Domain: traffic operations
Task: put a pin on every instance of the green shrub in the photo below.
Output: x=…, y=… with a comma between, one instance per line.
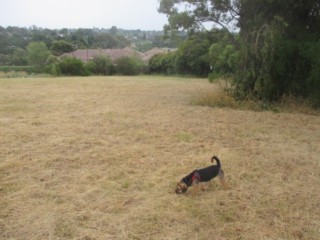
x=72, y=67
x=313, y=79
x=61, y=46
x=223, y=58
x=91, y=67
x=53, y=69
x=192, y=56
x=37, y=54
x=162, y=63
x=100, y=65
x=129, y=66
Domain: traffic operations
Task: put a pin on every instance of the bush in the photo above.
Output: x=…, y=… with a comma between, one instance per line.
x=53, y=69
x=61, y=46
x=313, y=77
x=129, y=66
x=192, y=56
x=100, y=65
x=72, y=67
x=37, y=54
x=19, y=57
x=4, y=59
x=223, y=58
x=91, y=67
x=162, y=63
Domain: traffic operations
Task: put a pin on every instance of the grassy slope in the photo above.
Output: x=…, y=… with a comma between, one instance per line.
x=98, y=158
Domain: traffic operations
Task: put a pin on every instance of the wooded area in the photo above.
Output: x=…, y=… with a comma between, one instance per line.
x=270, y=47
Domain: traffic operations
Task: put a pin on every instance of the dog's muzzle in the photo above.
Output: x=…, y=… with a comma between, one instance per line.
x=180, y=189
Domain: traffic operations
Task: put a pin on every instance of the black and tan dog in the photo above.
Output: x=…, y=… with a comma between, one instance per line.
x=201, y=175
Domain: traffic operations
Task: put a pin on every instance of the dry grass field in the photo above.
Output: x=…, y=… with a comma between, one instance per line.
x=99, y=158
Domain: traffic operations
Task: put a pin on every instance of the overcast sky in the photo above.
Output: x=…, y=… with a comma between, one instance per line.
x=126, y=14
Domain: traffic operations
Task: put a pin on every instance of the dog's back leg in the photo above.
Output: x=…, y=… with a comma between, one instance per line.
x=222, y=179
x=204, y=186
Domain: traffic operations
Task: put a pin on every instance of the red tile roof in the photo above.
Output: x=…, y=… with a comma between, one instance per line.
x=87, y=54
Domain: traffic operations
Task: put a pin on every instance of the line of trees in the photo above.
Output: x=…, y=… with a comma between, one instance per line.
x=271, y=48
x=202, y=54
x=14, y=41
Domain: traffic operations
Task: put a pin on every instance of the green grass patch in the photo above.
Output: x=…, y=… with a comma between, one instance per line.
x=28, y=69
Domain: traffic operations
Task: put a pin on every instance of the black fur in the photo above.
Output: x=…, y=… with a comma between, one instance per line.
x=203, y=174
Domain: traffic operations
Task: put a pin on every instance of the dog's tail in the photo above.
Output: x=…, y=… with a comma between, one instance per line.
x=217, y=160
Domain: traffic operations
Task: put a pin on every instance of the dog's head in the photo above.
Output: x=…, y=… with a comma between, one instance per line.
x=181, y=187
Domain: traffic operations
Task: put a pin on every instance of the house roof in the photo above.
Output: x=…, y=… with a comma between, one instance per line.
x=86, y=55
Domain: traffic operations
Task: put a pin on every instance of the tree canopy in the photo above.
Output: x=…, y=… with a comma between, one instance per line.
x=278, y=43
x=37, y=54
x=192, y=14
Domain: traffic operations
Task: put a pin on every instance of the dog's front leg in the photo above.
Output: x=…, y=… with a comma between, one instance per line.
x=204, y=186
x=196, y=187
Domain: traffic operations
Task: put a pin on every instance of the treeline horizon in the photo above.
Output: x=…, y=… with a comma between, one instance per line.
x=12, y=38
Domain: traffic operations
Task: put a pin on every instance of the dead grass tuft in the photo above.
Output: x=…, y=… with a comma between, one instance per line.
x=218, y=99
x=14, y=74
x=221, y=98
x=293, y=104
x=99, y=158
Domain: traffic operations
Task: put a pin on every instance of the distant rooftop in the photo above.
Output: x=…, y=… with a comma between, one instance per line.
x=86, y=55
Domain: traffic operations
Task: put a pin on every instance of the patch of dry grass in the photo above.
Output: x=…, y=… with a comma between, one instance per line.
x=14, y=74
x=223, y=99
x=217, y=98
x=98, y=158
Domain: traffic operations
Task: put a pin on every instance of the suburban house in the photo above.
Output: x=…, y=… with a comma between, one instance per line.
x=86, y=55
